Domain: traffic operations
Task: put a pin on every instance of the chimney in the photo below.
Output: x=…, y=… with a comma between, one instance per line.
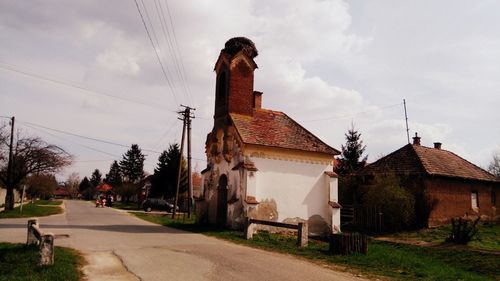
x=416, y=139
x=257, y=100
x=437, y=145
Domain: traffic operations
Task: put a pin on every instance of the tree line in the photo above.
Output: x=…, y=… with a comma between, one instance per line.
x=34, y=163
x=129, y=180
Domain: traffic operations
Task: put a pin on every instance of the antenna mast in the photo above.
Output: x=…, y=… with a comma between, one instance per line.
x=406, y=119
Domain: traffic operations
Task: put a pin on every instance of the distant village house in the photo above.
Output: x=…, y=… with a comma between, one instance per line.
x=457, y=186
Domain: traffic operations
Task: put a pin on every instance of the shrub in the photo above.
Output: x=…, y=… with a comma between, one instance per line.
x=395, y=201
x=462, y=230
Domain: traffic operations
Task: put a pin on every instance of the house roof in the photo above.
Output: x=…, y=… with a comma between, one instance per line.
x=416, y=159
x=104, y=187
x=275, y=129
x=61, y=191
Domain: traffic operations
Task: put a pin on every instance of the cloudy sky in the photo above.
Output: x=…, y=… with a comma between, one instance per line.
x=88, y=68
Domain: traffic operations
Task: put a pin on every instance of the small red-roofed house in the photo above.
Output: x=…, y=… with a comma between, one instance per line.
x=103, y=188
x=457, y=186
x=261, y=163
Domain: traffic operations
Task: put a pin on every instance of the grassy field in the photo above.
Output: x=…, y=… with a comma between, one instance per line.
x=396, y=261
x=487, y=238
x=18, y=262
x=38, y=209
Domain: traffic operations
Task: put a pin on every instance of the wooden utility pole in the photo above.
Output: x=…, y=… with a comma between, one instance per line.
x=180, y=165
x=186, y=116
x=9, y=198
x=190, y=181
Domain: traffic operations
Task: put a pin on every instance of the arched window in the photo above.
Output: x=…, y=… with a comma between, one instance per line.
x=222, y=88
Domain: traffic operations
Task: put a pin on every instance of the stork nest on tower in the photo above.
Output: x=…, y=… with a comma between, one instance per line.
x=237, y=44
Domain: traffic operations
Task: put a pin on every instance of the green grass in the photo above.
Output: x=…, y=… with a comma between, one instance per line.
x=19, y=262
x=49, y=202
x=396, y=261
x=131, y=206
x=487, y=238
x=31, y=210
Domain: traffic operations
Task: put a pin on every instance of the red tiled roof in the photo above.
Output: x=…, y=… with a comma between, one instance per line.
x=103, y=187
x=276, y=129
x=61, y=191
x=417, y=159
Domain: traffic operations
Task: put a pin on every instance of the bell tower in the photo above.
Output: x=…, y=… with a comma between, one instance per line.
x=234, y=83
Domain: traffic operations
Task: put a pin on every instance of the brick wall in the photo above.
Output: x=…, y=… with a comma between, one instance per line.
x=241, y=89
x=454, y=198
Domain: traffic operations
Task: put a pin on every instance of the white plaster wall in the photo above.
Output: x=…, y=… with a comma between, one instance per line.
x=299, y=188
x=3, y=193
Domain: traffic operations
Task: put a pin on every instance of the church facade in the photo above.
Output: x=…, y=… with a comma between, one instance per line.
x=261, y=163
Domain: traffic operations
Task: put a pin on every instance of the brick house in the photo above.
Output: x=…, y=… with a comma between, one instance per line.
x=261, y=163
x=457, y=186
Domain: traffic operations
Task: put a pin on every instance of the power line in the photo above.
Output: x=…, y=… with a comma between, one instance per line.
x=85, y=137
x=178, y=49
x=17, y=69
x=156, y=51
x=175, y=52
x=77, y=143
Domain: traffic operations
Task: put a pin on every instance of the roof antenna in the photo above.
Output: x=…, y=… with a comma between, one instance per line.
x=406, y=119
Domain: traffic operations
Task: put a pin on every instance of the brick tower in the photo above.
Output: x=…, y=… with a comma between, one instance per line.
x=234, y=87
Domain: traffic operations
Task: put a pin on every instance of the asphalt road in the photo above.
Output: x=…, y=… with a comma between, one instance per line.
x=119, y=246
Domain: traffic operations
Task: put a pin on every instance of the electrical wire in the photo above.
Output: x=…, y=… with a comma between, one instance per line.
x=17, y=69
x=178, y=49
x=175, y=53
x=156, y=52
x=85, y=137
x=77, y=143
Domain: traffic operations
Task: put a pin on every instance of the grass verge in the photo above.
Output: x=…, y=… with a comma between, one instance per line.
x=49, y=202
x=19, y=262
x=397, y=261
x=487, y=238
x=131, y=206
x=32, y=210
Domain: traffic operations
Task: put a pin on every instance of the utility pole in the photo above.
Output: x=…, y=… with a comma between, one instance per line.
x=406, y=119
x=180, y=165
x=9, y=198
x=186, y=117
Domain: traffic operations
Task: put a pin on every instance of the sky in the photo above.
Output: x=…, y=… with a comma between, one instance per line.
x=88, y=68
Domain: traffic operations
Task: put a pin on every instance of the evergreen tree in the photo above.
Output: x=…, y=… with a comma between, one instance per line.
x=114, y=177
x=350, y=161
x=164, y=180
x=351, y=158
x=132, y=165
x=86, y=189
x=95, y=179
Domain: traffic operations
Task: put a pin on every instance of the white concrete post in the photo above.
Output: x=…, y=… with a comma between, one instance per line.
x=31, y=232
x=46, y=249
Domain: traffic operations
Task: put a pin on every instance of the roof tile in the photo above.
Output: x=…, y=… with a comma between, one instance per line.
x=417, y=159
x=276, y=129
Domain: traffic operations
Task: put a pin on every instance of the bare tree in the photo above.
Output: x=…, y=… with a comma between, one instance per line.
x=494, y=166
x=72, y=184
x=31, y=155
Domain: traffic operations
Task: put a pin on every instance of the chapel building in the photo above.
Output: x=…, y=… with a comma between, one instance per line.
x=261, y=163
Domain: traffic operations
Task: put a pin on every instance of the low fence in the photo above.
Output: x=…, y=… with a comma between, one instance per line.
x=301, y=227
x=362, y=217
x=45, y=240
x=348, y=243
